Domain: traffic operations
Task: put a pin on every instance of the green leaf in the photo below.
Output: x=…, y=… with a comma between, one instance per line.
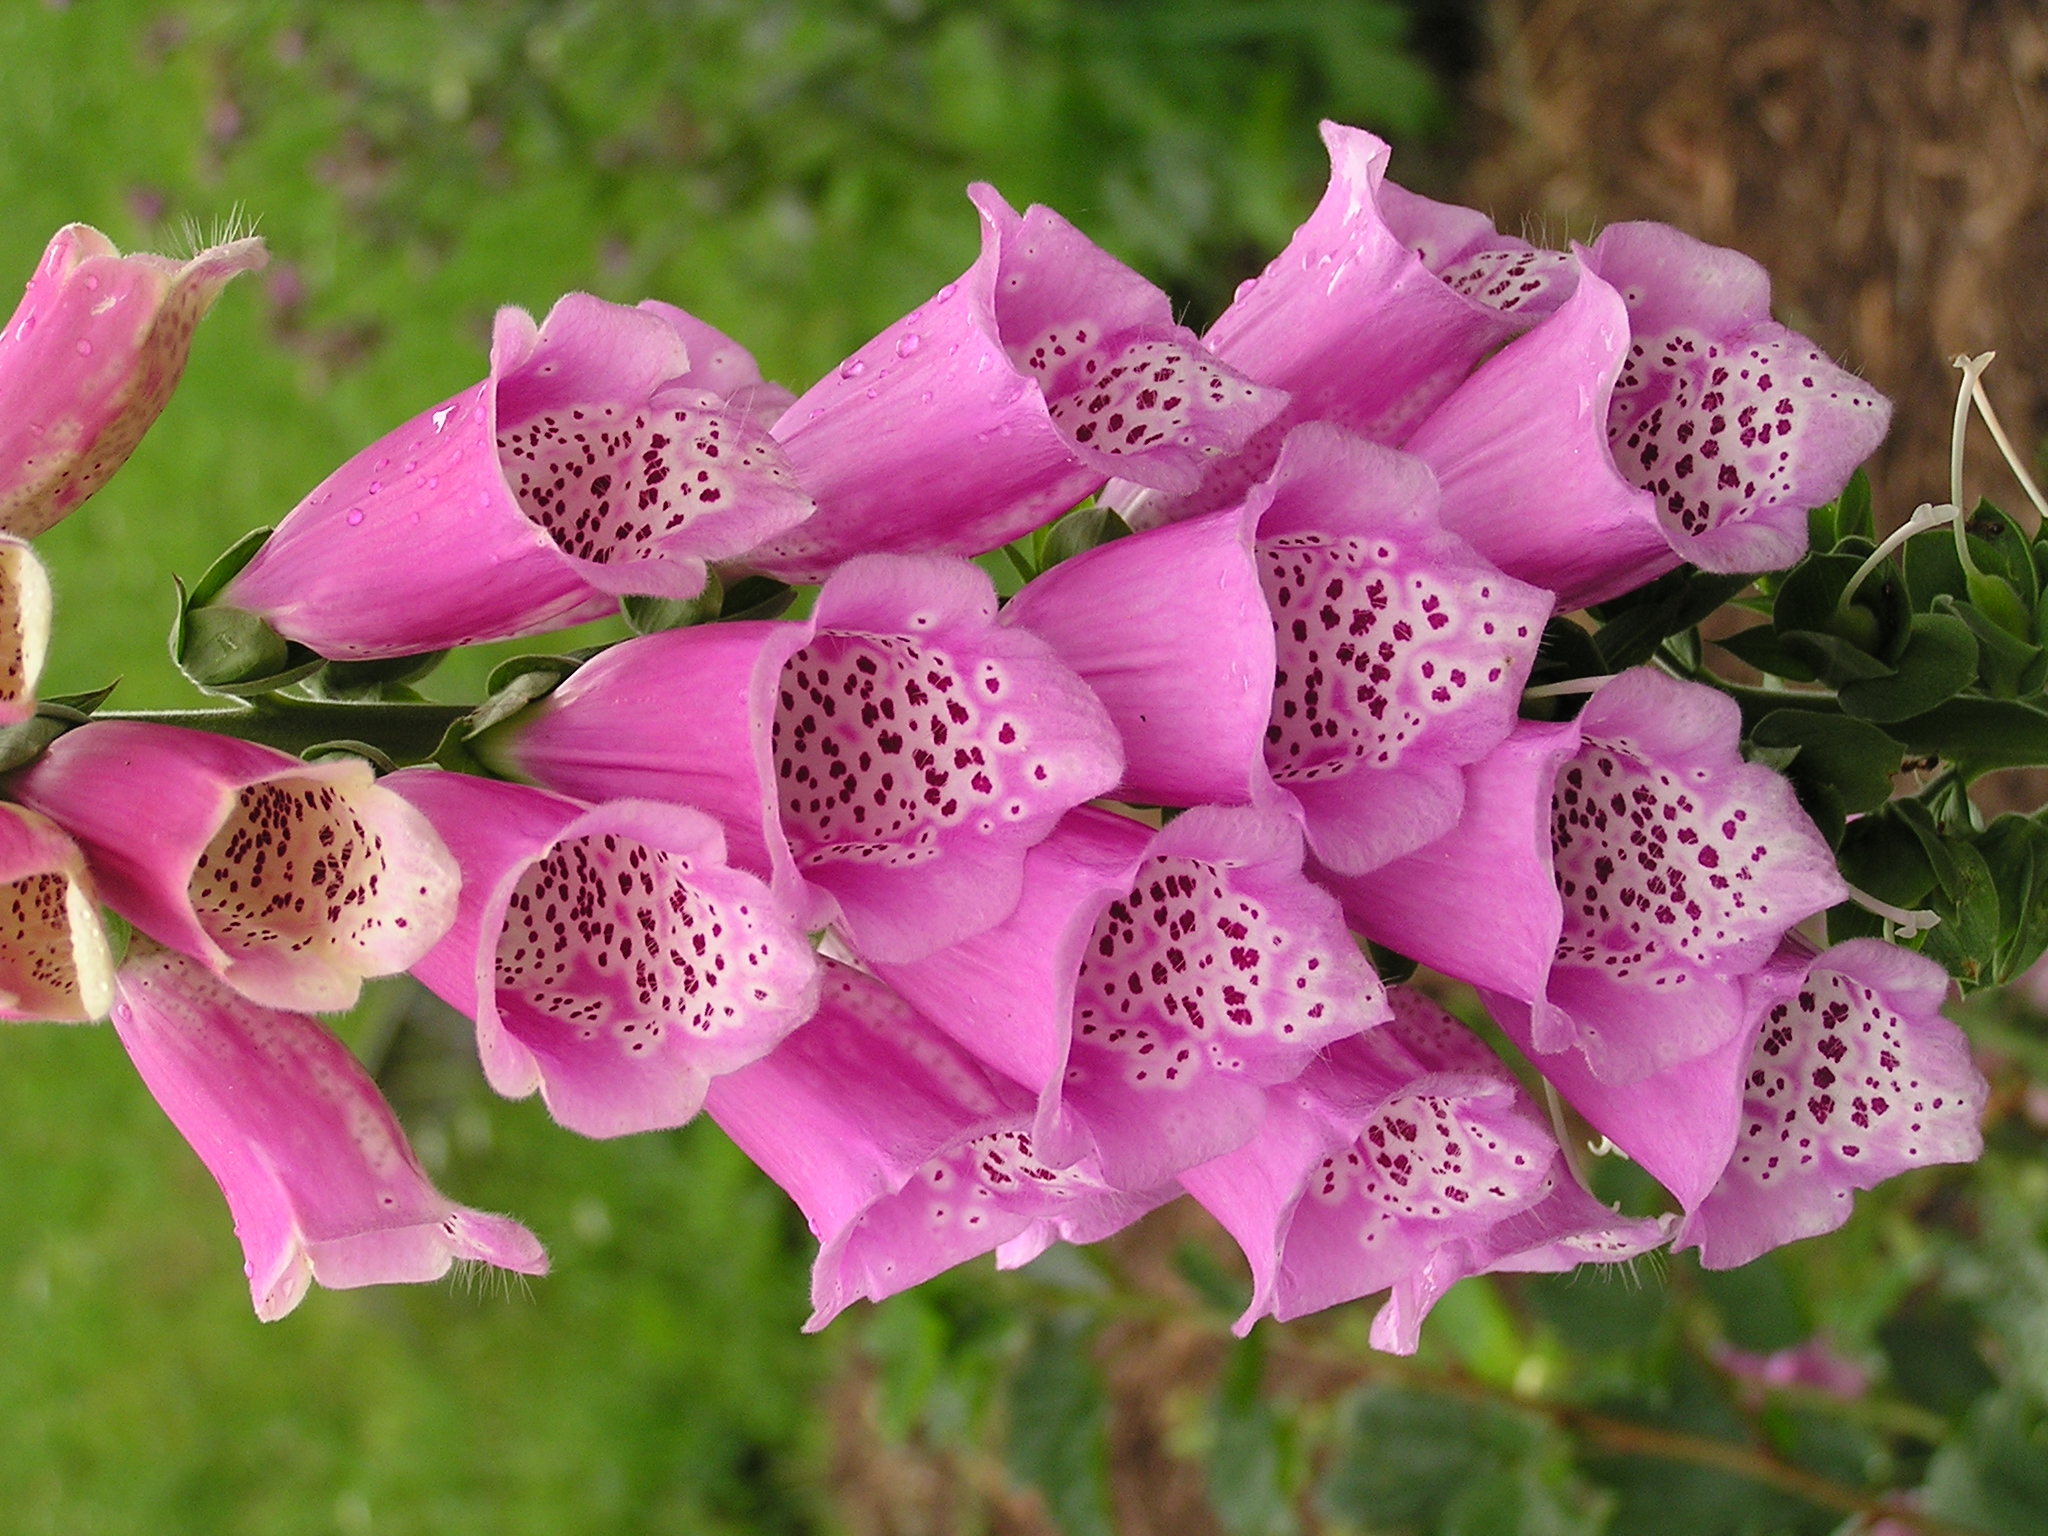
x=1853, y=515
x=2015, y=848
x=1059, y=1412
x=2007, y=666
x=1080, y=530
x=1851, y=756
x=1196, y=1263
x=757, y=597
x=1415, y=1462
x=1810, y=594
x=1251, y=1464
x=1831, y=658
x=1978, y=736
x=1966, y=941
x=1633, y=627
x=1760, y=647
x=1885, y=856
x=1940, y=660
x=1993, y=1475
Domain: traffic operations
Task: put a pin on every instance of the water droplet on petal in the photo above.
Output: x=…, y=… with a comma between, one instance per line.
x=84, y=348
x=355, y=516
x=853, y=369
x=946, y=292
x=907, y=345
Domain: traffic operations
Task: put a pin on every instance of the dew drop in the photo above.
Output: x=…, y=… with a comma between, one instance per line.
x=907, y=345
x=853, y=370
x=355, y=516
x=946, y=293
x=84, y=348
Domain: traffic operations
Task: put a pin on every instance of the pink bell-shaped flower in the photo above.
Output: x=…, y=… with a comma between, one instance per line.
x=317, y=1173
x=292, y=881
x=89, y=361
x=609, y=956
x=54, y=961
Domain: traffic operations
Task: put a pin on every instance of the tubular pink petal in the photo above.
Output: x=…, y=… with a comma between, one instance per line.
x=920, y=749
x=24, y=628
x=1735, y=424
x=1349, y=320
x=1401, y=655
x=1397, y=1152
x=1854, y=1077
x=723, y=366
x=1521, y=449
x=608, y=955
x=316, y=1170
x=89, y=360
x=904, y=1153
x=682, y=716
x=55, y=965
x=1678, y=1123
x=1011, y=395
x=1493, y=870
x=1461, y=246
x=292, y=881
x=1149, y=984
x=1170, y=630
x=582, y=468
x=1680, y=867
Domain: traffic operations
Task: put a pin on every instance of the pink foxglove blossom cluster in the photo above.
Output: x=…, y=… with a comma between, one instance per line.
x=982, y=923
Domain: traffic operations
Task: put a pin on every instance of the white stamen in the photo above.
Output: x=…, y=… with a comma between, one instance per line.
x=1605, y=1148
x=1568, y=688
x=1925, y=516
x=1909, y=923
x=2005, y=447
x=1566, y=1141
x=1971, y=368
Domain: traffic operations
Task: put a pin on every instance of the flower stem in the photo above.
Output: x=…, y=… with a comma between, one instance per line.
x=406, y=733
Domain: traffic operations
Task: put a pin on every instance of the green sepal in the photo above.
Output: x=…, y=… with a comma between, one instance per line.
x=2015, y=848
x=1632, y=627
x=120, y=934
x=652, y=615
x=1810, y=593
x=85, y=703
x=1079, y=531
x=1939, y=661
x=376, y=757
x=1853, y=757
x=384, y=679
x=2001, y=604
x=1833, y=659
x=558, y=665
x=223, y=650
x=512, y=686
x=757, y=597
x=26, y=740
x=1760, y=647
x=2007, y=667
x=1394, y=968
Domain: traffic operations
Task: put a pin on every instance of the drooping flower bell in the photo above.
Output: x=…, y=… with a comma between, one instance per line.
x=1403, y=1159
x=1353, y=323
x=905, y=1154
x=1733, y=422
x=292, y=881
x=1853, y=1077
x=24, y=628
x=1616, y=879
x=1151, y=984
x=1326, y=647
x=609, y=956
x=55, y=965
x=898, y=753
x=317, y=1173
x=89, y=360
x=590, y=464
x=1047, y=368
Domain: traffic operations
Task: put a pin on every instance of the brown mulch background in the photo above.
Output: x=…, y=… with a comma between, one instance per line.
x=1888, y=163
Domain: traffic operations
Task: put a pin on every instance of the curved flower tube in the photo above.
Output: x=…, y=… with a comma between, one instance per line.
x=89, y=360
x=1852, y=1076
x=291, y=881
x=24, y=628
x=905, y=1154
x=608, y=955
x=589, y=465
x=898, y=753
x=55, y=965
x=1734, y=423
x=1151, y=984
x=317, y=1173
x=1369, y=318
x=1396, y=655
x=1048, y=367
x=1406, y=1157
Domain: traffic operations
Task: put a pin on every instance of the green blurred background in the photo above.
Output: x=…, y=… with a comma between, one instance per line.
x=793, y=172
